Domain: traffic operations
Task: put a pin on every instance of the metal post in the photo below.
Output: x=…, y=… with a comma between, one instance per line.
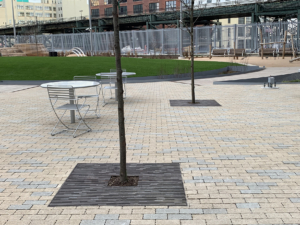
x=298, y=29
x=13, y=14
x=133, y=42
x=107, y=45
x=72, y=39
x=215, y=32
x=235, y=30
x=162, y=41
x=52, y=42
x=90, y=22
x=83, y=45
x=147, y=41
x=180, y=32
x=62, y=43
x=5, y=41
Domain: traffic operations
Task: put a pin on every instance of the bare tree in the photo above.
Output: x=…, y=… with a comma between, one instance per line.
x=123, y=170
x=189, y=12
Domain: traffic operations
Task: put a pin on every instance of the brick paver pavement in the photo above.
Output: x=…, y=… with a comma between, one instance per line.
x=240, y=162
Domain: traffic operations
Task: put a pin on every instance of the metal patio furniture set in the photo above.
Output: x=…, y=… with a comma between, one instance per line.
x=62, y=96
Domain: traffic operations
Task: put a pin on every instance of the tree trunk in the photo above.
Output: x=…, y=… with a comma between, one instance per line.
x=192, y=52
x=121, y=120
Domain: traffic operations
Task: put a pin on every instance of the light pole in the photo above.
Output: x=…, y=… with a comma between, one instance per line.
x=81, y=13
x=13, y=14
x=90, y=24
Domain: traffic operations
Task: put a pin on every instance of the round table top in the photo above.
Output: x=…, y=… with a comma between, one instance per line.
x=73, y=83
x=107, y=74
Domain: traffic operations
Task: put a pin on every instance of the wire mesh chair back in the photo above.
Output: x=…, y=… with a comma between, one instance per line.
x=66, y=93
x=85, y=78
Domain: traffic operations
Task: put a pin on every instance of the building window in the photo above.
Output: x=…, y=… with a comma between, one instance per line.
x=95, y=2
x=138, y=9
x=171, y=6
x=95, y=12
x=241, y=20
x=20, y=7
x=229, y=32
x=48, y=15
x=29, y=14
x=123, y=10
x=107, y=2
x=21, y=14
x=108, y=11
x=29, y=7
x=39, y=14
x=229, y=20
x=40, y=8
x=47, y=8
x=185, y=4
x=153, y=7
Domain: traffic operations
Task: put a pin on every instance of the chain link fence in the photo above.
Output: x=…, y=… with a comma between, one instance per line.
x=167, y=41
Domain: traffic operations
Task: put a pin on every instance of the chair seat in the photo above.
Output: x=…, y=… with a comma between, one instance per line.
x=72, y=106
x=88, y=96
x=110, y=88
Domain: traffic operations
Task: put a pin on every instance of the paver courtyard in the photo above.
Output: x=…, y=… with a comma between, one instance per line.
x=240, y=162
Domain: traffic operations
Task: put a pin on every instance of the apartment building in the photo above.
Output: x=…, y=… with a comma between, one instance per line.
x=26, y=11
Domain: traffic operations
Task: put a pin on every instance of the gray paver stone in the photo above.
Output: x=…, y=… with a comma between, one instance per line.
x=117, y=222
x=107, y=217
x=92, y=222
x=295, y=200
x=179, y=216
x=39, y=202
x=41, y=193
x=214, y=211
x=191, y=211
x=20, y=207
x=247, y=205
x=155, y=216
x=167, y=210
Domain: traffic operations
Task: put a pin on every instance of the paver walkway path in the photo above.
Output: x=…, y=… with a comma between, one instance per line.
x=240, y=163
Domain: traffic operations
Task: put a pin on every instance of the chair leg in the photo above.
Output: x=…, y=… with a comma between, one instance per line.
x=103, y=95
x=59, y=121
x=82, y=120
x=97, y=108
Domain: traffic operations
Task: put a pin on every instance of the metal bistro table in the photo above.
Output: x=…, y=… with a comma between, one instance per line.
x=114, y=75
x=75, y=85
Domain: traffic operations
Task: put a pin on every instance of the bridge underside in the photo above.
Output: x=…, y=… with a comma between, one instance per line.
x=284, y=10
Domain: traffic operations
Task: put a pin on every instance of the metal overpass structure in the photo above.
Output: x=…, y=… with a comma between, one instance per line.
x=284, y=10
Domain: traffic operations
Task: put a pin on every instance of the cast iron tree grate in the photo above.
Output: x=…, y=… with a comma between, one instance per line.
x=199, y=103
x=159, y=185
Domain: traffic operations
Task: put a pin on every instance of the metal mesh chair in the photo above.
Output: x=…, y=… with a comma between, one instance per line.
x=95, y=95
x=109, y=83
x=66, y=93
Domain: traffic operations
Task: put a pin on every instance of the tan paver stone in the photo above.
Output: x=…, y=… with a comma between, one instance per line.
x=223, y=221
x=68, y=222
x=131, y=217
x=144, y=222
x=45, y=222
x=17, y=222
x=169, y=222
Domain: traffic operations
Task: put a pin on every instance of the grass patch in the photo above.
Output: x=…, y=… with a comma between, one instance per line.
x=291, y=81
x=64, y=68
